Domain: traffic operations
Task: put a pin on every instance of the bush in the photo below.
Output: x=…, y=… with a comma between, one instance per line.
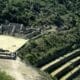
x=4, y=76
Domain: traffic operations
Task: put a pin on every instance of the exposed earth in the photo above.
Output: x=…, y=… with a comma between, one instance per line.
x=19, y=70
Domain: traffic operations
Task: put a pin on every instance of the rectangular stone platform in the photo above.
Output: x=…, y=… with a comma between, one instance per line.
x=12, y=44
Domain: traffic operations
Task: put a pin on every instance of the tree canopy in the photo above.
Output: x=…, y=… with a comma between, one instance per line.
x=39, y=12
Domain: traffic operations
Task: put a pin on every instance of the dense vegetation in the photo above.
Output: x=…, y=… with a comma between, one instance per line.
x=41, y=12
x=62, y=13
x=48, y=45
x=4, y=76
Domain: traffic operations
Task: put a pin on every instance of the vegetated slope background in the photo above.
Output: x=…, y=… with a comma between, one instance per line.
x=65, y=14
x=39, y=12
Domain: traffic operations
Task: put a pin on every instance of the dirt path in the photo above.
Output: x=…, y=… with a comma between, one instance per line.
x=15, y=72
x=19, y=70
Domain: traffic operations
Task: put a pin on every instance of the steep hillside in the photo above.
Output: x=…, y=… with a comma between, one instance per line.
x=53, y=48
x=50, y=45
x=40, y=50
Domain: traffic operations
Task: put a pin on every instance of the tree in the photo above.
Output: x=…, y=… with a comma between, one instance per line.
x=58, y=21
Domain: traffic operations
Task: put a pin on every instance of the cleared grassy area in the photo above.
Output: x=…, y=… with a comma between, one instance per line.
x=11, y=43
x=70, y=73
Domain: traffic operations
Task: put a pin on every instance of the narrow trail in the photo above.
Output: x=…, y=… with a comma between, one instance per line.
x=15, y=72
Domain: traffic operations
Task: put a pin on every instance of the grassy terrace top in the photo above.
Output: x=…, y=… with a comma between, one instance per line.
x=11, y=43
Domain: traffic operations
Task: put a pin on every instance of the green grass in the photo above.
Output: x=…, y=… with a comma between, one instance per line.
x=4, y=76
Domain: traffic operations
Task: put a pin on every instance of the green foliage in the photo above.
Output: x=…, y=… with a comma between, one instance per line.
x=47, y=45
x=40, y=12
x=4, y=76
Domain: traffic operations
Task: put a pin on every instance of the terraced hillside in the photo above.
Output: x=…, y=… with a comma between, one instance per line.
x=64, y=64
x=54, y=49
x=64, y=67
x=57, y=53
x=27, y=32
